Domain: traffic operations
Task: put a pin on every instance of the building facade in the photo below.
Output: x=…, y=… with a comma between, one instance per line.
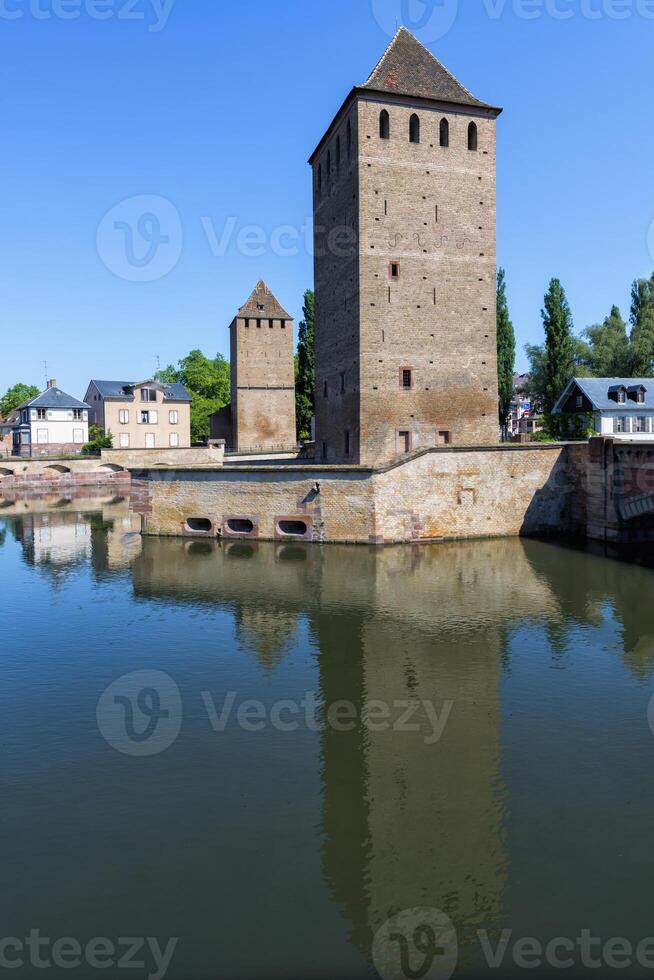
x=405, y=264
x=52, y=424
x=261, y=416
x=620, y=407
x=143, y=415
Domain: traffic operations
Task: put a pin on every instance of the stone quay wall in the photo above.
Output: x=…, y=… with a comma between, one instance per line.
x=432, y=495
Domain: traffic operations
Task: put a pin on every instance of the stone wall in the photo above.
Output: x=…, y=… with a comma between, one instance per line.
x=212, y=455
x=61, y=475
x=437, y=494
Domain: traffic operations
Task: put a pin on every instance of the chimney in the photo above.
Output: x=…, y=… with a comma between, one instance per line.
x=52, y=383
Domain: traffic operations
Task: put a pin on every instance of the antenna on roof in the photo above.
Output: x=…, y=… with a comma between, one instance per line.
x=45, y=368
x=158, y=362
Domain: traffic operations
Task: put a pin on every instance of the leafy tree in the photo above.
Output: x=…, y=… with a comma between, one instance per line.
x=18, y=395
x=305, y=368
x=208, y=382
x=560, y=347
x=605, y=349
x=97, y=441
x=505, y=351
x=642, y=328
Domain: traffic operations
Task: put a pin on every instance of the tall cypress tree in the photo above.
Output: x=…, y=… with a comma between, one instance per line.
x=505, y=352
x=559, y=345
x=305, y=369
x=642, y=328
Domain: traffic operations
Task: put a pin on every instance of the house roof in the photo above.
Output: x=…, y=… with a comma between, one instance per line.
x=408, y=68
x=54, y=398
x=262, y=304
x=597, y=391
x=124, y=390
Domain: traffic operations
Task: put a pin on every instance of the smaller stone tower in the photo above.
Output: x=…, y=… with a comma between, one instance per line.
x=263, y=377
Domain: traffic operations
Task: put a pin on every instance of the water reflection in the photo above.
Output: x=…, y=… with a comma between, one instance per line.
x=404, y=821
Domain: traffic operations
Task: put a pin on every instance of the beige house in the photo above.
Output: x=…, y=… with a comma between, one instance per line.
x=143, y=415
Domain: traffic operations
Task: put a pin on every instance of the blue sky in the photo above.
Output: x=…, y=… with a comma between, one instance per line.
x=215, y=106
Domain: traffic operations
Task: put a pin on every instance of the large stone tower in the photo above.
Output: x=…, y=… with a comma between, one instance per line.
x=262, y=411
x=405, y=264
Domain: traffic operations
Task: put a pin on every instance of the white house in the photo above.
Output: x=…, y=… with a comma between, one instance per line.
x=620, y=407
x=52, y=424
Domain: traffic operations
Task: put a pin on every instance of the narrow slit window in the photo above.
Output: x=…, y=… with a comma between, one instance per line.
x=384, y=125
x=394, y=270
x=414, y=129
x=445, y=133
x=473, y=137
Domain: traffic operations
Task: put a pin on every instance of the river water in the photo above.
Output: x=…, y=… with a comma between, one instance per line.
x=284, y=761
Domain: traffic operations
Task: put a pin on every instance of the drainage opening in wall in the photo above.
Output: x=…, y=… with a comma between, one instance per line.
x=292, y=529
x=240, y=525
x=199, y=525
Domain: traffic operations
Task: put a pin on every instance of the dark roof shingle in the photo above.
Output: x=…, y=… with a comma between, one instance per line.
x=262, y=304
x=54, y=398
x=408, y=68
x=123, y=390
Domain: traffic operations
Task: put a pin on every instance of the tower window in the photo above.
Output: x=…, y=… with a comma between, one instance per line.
x=384, y=125
x=406, y=379
x=347, y=442
x=325, y=390
x=414, y=129
x=342, y=382
x=473, y=137
x=445, y=133
x=394, y=270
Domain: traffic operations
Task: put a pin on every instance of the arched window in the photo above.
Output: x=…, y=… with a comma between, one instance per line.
x=445, y=133
x=338, y=153
x=329, y=163
x=473, y=138
x=384, y=125
x=349, y=139
x=414, y=129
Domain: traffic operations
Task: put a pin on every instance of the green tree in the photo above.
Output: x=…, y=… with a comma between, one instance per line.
x=18, y=395
x=208, y=382
x=560, y=345
x=642, y=328
x=505, y=352
x=305, y=368
x=97, y=441
x=605, y=347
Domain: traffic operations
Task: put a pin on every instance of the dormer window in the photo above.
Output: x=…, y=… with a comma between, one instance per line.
x=637, y=394
x=148, y=395
x=618, y=393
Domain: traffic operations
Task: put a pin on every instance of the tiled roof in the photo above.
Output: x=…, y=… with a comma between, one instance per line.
x=263, y=305
x=54, y=398
x=597, y=391
x=408, y=68
x=123, y=391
